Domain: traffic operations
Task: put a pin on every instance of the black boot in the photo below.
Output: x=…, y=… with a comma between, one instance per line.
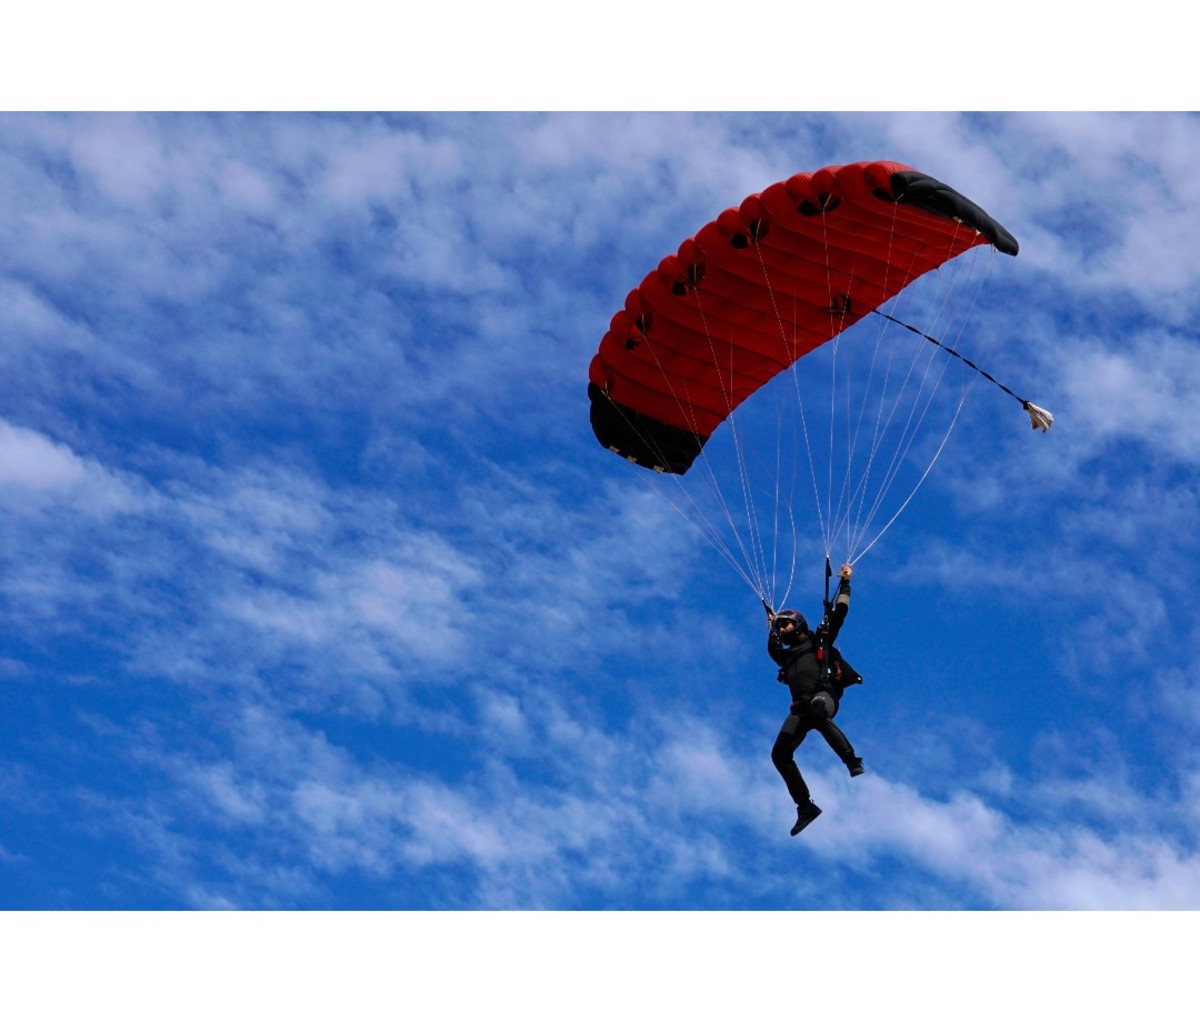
x=855, y=767
x=805, y=814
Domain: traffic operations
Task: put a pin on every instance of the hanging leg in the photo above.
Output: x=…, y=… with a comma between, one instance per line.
x=840, y=744
x=791, y=734
x=822, y=710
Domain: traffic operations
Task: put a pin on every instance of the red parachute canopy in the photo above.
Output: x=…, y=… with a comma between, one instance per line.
x=760, y=287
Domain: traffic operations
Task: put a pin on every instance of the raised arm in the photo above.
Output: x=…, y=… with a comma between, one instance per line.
x=841, y=603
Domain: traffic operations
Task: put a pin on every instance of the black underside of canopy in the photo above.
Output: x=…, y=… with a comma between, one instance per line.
x=641, y=439
x=924, y=192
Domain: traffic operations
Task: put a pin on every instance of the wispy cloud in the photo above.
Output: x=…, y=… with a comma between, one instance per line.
x=321, y=590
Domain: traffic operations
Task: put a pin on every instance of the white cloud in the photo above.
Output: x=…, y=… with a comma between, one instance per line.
x=122, y=155
x=250, y=345
x=386, y=615
x=1109, y=198
x=38, y=474
x=1145, y=390
x=31, y=461
x=371, y=163
x=29, y=318
x=513, y=838
x=971, y=846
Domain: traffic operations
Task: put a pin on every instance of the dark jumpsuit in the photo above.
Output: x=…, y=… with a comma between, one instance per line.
x=814, y=701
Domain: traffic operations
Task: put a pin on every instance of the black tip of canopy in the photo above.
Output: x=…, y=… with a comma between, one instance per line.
x=924, y=192
x=641, y=439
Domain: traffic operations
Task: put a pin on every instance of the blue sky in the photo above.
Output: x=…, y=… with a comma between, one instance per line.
x=319, y=594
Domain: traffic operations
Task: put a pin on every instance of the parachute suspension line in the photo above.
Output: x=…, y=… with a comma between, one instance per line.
x=902, y=452
x=777, y=477
x=937, y=453
x=793, y=465
x=755, y=556
x=782, y=502
x=850, y=515
x=1038, y=417
x=834, y=510
x=840, y=307
x=841, y=515
x=858, y=496
x=778, y=473
x=795, y=550
x=706, y=529
x=833, y=367
x=858, y=503
x=763, y=566
x=751, y=567
x=865, y=513
x=853, y=521
x=924, y=392
x=697, y=519
x=908, y=434
x=845, y=506
x=829, y=535
x=791, y=361
x=851, y=503
x=785, y=503
x=928, y=468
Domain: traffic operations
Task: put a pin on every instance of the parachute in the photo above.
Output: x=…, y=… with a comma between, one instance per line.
x=742, y=302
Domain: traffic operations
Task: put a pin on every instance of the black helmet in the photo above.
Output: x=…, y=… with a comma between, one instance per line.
x=794, y=616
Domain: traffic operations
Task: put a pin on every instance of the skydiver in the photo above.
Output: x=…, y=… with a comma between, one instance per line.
x=816, y=676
